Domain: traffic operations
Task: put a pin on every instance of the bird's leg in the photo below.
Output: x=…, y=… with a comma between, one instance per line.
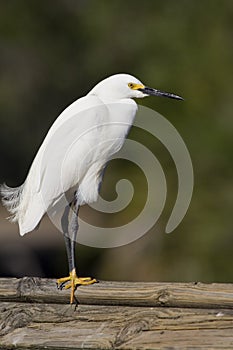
x=70, y=240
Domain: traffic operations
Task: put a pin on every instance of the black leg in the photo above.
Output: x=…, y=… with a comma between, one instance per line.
x=69, y=224
x=70, y=238
x=70, y=250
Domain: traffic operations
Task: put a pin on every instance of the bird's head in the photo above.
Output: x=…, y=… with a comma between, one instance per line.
x=120, y=86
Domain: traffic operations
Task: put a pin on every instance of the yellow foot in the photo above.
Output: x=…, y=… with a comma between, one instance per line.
x=74, y=281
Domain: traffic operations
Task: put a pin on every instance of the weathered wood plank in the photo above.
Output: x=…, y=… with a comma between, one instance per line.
x=56, y=326
x=28, y=289
x=115, y=315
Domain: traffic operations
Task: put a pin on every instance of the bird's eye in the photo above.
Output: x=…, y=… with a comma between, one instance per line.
x=131, y=85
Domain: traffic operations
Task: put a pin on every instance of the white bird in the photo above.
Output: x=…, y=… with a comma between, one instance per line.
x=68, y=168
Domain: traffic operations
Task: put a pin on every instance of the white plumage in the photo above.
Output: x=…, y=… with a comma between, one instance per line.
x=68, y=168
x=75, y=151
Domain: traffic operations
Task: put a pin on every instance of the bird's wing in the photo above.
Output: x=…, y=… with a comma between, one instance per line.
x=63, y=157
x=64, y=152
x=72, y=155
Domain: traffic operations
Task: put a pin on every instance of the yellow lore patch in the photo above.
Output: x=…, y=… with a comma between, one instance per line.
x=135, y=86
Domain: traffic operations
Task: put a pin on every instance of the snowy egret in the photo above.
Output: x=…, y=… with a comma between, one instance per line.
x=106, y=113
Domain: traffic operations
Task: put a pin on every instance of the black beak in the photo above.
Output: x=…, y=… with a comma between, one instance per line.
x=154, y=92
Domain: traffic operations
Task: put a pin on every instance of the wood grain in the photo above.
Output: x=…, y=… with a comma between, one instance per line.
x=201, y=295
x=115, y=315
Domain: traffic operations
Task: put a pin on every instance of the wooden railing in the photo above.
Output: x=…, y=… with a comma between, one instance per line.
x=34, y=314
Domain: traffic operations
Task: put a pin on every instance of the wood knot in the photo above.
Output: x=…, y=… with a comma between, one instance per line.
x=14, y=317
x=130, y=331
x=163, y=297
x=27, y=285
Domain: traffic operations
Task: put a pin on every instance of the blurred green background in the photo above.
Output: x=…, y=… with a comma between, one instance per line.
x=53, y=52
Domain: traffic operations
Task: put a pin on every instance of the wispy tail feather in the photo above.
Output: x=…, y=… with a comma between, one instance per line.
x=11, y=199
